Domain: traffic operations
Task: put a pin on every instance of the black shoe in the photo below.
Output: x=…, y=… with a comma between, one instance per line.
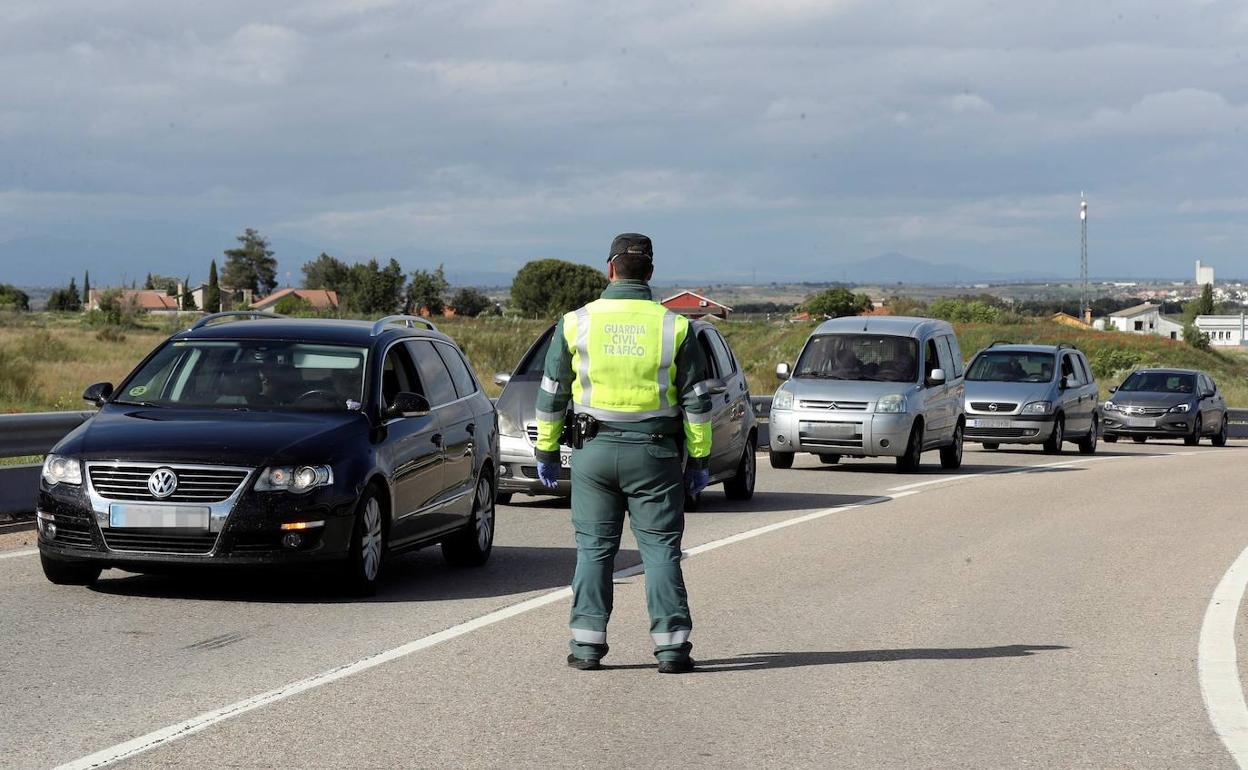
x=581, y=664
x=676, y=666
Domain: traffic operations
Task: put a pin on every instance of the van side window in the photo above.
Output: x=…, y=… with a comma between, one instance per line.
x=931, y=359
x=712, y=366
x=946, y=357
x=723, y=359
x=959, y=366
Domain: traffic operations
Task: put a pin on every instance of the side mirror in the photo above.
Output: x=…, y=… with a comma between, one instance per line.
x=98, y=393
x=937, y=377
x=1207, y=394
x=1113, y=388
x=501, y=378
x=711, y=387
x=408, y=405
x=783, y=372
x=1063, y=383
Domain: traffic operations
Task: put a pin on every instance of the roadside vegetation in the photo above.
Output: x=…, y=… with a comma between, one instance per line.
x=47, y=359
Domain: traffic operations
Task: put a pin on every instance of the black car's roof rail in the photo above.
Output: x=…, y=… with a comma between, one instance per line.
x=994, y=343
x=212, y=317
x=1066, y=345
x=409, y=321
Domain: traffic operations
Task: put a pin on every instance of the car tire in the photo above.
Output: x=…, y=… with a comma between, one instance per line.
x=367, y=549
x=1139, y=439
x=1223, y=433
x=1053, y=444
x=913, y=458
x=503, y=498
x=471, y=546
x=781, y=460
x=951, y=456
x=741, y=485
x=829, y=459
x=991, y=445
x=1198, y=429
x=1087, y=444
x=65, y=572
x=1109, y=438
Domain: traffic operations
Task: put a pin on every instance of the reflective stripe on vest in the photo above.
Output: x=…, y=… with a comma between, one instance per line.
x=624, y=356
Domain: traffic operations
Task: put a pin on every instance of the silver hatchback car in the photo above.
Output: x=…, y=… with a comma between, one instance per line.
x=1032, y=394
x=870, y=387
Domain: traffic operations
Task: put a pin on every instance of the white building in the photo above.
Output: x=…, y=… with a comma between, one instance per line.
x=1145, y=319
x=1223, y=330
x=1204, y=274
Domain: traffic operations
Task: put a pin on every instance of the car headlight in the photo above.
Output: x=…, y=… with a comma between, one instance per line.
x=1110, y=406
x=58, y=469
x=296, y=479
x=1181, y=408
x=894, y=403
x=1038, y=407
x=782, y=400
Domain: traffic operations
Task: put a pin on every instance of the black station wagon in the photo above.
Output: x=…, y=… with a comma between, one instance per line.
x=277, y=441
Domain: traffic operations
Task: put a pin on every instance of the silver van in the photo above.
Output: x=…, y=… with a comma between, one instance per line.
x=870, y=387
x=1032, y=394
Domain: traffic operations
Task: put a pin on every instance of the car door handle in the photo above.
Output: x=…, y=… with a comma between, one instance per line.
x=437, y=440
x=472, y=428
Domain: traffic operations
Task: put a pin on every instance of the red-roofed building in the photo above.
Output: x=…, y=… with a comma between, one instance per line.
x=150, y=300
x=694, y=305
x=318, y=299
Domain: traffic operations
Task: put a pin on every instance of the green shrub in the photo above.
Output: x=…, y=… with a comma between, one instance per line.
x=293, y=304
x=111, y=334
x=40, y=345
x=16, y=377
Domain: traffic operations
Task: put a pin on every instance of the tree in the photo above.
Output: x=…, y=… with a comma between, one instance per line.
x=1193, y=336
x=13, y=298
x=65, y=300
x=1204, y=304
x=427, y=291
x=212, y=292
x=470, y=302
x=326, y=272
x=188, y=299
x=293, y=304
x=86, y=287
x=548, y=288
x=964, y=310
x=147, y=284
x=374, y=290
x=906, y=306
x=250, y=265
x=838, y=302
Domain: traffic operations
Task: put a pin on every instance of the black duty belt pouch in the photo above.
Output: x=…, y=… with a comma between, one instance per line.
x=577, y=430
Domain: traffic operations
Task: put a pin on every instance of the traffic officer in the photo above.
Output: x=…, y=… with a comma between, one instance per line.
x=629, y=367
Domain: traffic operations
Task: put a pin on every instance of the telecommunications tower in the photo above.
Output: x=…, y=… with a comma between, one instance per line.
x=1085, y=300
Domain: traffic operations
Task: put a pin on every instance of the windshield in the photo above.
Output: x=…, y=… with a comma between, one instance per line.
x=1003, y=366
x=249, y=374
x=1159, y=382
x=871, y=357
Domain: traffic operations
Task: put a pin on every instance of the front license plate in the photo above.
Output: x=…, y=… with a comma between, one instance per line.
x=158, y=516
x=565, y=459
x=980, y=423
x=1141, y=422
x=830, y=429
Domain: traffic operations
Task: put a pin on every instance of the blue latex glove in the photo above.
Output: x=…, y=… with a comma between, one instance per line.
x=548, y=473
x=696, y=480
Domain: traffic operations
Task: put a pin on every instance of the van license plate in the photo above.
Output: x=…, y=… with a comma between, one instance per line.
x=158, y=516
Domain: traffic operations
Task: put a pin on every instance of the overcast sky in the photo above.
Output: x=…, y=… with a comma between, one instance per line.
x=785, y=137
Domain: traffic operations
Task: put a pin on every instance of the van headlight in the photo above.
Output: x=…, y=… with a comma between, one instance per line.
x=894, y=403
x=59, y=469
x=1038, y=407
x=782, y=400
x=297, y=479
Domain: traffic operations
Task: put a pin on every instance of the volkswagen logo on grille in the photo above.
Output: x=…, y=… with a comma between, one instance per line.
x=162, y=482
x=992, y=407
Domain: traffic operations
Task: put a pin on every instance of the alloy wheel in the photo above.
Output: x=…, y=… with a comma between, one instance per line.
x=370, y=539
x=485, y=514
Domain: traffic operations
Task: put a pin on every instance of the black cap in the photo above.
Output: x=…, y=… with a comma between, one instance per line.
x=631, y=243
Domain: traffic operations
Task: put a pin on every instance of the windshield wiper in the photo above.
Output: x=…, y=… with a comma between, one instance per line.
x=137, y=403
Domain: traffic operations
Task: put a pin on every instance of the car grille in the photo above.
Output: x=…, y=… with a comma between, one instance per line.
x=1001, y=432
x=160, y=541
x=993, y=406
x=73, y=533
x=839, y=406
x=196, y=484
x=1143, y=411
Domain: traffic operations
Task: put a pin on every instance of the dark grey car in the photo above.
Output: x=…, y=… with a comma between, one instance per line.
x=1032, y=394
x=1166, y=403
x=734, y=429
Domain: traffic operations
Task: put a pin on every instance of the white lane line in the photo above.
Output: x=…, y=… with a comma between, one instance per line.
x=1216, y=664
x=15, y=554
x=165, y=735
x=1021, y=469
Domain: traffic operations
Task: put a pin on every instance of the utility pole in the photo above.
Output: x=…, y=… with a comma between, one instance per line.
x=1085, y=299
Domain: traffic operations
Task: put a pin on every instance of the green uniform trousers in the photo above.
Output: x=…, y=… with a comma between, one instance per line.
x=615, y=471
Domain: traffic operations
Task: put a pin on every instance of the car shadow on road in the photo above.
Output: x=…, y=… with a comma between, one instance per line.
x=1020, y=452
x=771, y=502
x=927, y=470
x=759, y=661
x=417, y=577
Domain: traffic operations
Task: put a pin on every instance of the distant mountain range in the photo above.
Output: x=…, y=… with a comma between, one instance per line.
x=894, y=267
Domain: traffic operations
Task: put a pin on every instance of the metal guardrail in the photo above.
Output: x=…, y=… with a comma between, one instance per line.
x=35, y=434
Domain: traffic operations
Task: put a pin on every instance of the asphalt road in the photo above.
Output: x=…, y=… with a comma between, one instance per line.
x=1027, y=611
